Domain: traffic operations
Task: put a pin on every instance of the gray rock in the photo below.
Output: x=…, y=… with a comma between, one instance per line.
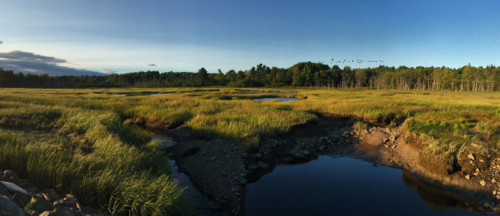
x=486, y=205
x=9, y=207
x=306, y=152
x=21, y=199
x=13, y=188
x=4, y=191
x=10, y=175
x=40, y=205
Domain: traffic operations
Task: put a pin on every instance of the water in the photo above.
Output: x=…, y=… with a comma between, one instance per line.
x=279, y=98
x=120, y=95
x=345, y=186
x=269, y=92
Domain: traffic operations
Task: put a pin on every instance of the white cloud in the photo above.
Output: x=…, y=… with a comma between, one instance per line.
x=151, y=65
x=27, y=62
x=108, y=71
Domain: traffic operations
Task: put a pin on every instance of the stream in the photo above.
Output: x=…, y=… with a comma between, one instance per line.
x=335, y=185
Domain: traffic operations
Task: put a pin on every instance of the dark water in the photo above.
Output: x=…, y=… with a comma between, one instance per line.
x=269, y=92
x=345, y=186
x=279, y=98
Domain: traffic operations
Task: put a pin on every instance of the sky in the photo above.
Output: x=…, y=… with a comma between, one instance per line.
x=70, y=37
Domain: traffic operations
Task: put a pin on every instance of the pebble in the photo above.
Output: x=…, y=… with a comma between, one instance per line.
x=471, y=156
x=482, y=182
x=467, y=177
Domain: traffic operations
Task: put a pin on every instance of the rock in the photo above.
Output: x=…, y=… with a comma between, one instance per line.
x=50, y=195
x=40, y=205
x=486, y=205
x=67, y=202
x=481, y=160
x=244, y=154
x=213, y=158
x=498, y=196
x=482, y=182
x=494, y=192
x=55, y=212
x=191, y=151
x=467, y=177
x=13, y=188
x=471, y=156
x=493, y=181
x=10, y=175
x=4, y=191
x=9, y=208
x=21, y=199
x=258, y=155
x=306, y=152
x=243, y=181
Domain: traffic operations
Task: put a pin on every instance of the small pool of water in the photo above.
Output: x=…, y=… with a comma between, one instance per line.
x=120, y=95
x=345, y=186
x=278, y=98
x=269, y=92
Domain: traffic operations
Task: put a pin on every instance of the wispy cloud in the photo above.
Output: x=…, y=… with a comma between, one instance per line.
x=28, y=62
x=151, y=65
x=108, y=71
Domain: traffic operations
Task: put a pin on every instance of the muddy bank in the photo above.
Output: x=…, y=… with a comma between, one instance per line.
x=221, y=169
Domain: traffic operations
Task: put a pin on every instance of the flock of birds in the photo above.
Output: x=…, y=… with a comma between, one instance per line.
x=357, y=61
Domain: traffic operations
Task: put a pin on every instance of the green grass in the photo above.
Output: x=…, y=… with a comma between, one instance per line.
x=82, y=129
x=91, y=154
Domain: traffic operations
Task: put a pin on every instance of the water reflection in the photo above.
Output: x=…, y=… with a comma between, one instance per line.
x=346, y=186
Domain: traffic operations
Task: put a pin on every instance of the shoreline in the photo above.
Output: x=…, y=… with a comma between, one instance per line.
x=221, y=169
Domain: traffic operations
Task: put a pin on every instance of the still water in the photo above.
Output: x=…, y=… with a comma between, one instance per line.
x=346, y=186
x=279, y=98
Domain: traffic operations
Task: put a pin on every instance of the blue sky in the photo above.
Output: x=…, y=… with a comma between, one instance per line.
x=125, y=36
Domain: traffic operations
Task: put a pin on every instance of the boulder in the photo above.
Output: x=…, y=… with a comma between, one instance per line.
x=10, y=208
x=4, y=191
x=10, y=175
x=40, y=205
x=21, y=199
x=13, y=188
x=50, y=195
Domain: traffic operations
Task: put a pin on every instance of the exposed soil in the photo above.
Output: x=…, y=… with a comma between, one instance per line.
x=221, y=169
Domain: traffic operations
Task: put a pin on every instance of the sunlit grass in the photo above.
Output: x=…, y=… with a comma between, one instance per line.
x=82, y=129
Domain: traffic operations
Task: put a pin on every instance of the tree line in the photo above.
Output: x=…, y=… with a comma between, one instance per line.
x=309, y=74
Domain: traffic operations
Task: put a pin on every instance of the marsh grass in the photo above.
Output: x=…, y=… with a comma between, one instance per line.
x=91, y=154
x=102, y=152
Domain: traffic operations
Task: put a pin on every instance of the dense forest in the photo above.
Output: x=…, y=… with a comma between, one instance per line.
x=467, y=78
